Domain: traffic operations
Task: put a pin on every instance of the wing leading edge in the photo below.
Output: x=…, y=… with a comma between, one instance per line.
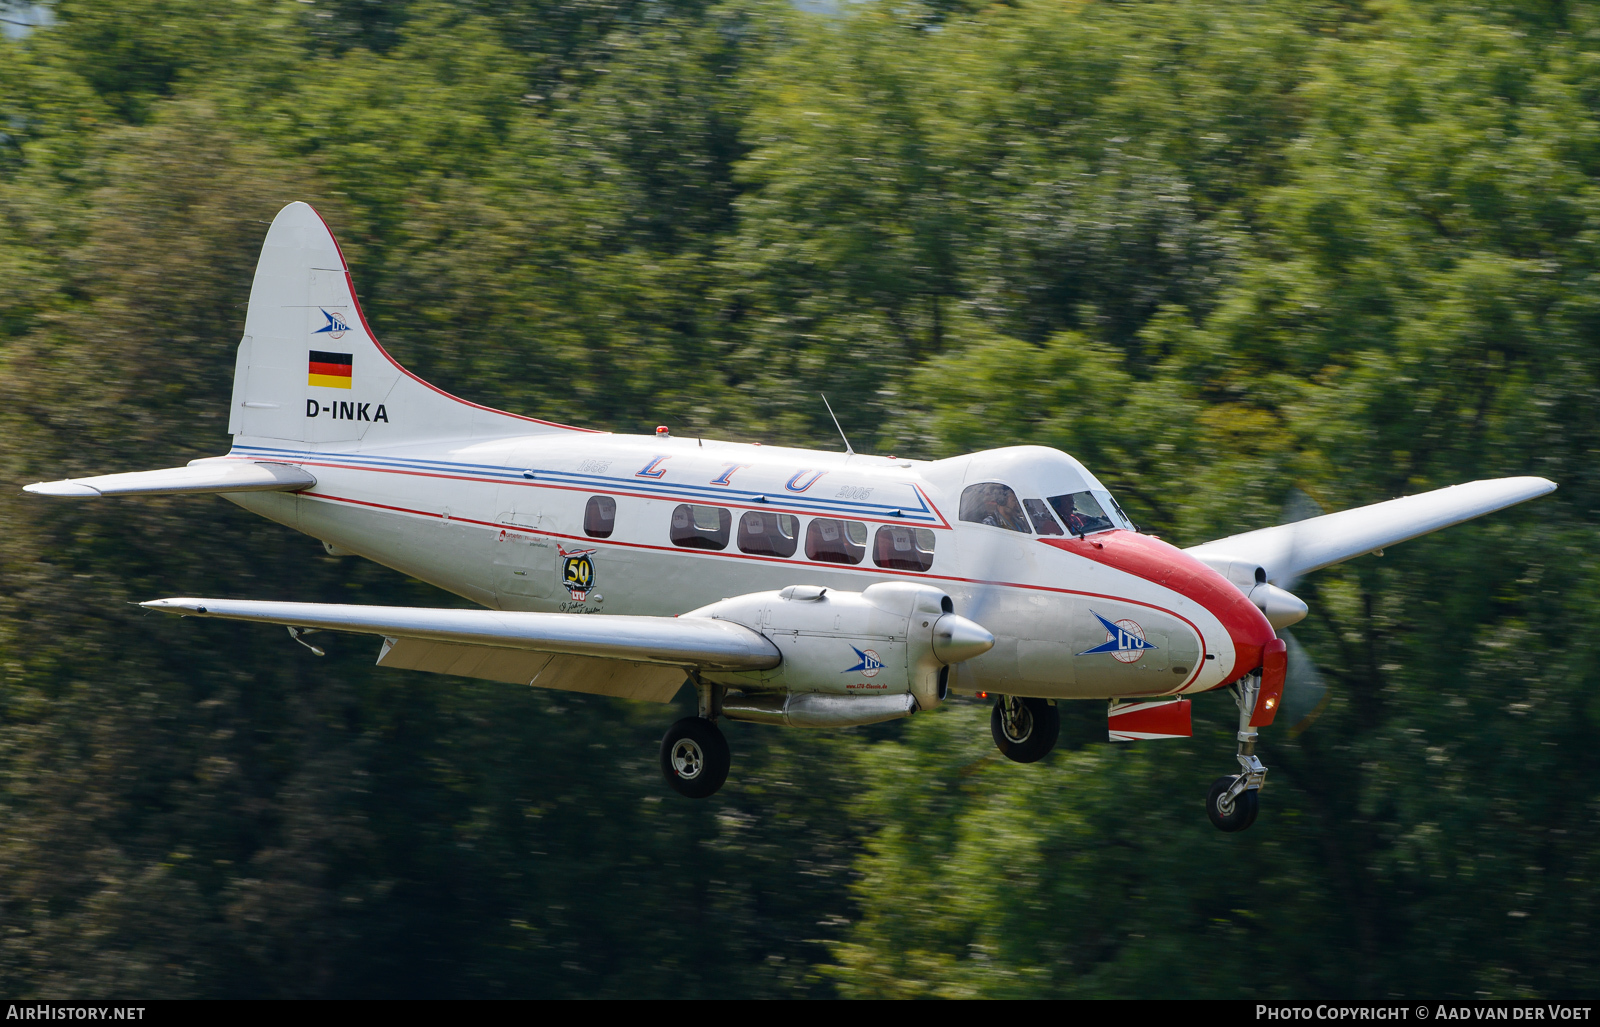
x=630, y=657
x=1290, y=550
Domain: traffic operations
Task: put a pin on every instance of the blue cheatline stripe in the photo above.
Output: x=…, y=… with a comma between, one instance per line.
x=668, y=490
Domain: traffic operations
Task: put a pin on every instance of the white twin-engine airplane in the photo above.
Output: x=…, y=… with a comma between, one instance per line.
x=790, y=587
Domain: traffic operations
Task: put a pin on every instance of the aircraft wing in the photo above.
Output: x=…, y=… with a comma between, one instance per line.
x=630, y=657
x=1290, y=550
x=212, y=474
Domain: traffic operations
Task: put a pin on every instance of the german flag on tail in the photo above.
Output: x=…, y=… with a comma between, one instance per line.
x=329, y=370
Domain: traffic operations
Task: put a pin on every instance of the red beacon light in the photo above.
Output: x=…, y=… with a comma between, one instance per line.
x=661, y=431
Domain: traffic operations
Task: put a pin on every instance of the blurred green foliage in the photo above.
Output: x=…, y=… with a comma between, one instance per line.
x=1216, y=250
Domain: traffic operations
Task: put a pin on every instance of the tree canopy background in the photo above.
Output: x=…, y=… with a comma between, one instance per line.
x=1217, y=250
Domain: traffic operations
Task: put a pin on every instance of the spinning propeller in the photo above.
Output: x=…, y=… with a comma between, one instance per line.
x=1305, y=693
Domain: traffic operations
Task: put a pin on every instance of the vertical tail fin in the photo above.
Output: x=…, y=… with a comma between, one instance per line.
x=310, y=371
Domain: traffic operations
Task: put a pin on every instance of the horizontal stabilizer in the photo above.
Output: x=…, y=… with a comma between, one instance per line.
x=202, y=476
x=1290, y=550
x=682, y=642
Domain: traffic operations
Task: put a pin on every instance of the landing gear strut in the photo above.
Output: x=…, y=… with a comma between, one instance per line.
x=1024, y=729
x=694, y=754
x=1234, y=801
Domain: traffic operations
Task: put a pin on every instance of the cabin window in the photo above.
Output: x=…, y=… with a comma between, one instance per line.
x=1039, y=514
x=903, y=549
x=1083, y=512
x=768, y=534
x=600, y=517
x=701, y=527
x=832, y=541
x=993, y=503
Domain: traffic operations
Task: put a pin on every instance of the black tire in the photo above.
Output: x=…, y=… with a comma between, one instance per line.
x=1242, y=811
x=1034, y=725
x=695, y=757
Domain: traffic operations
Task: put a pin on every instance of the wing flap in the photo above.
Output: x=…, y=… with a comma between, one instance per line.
x=700, y=642
x=200, y=477
x=1290, y=550
x=652, y=682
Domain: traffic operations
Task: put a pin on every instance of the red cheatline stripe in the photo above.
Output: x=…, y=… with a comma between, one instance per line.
x=337, y=370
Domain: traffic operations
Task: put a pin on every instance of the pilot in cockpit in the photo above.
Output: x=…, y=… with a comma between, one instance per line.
x=1077, y=523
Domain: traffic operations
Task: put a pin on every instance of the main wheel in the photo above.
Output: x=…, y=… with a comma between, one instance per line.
x=694, y=757
x=1025, y=730
x=1234, y=814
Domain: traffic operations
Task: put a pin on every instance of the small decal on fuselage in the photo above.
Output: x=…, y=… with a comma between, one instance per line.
x=577, y=572
x=1124, y=640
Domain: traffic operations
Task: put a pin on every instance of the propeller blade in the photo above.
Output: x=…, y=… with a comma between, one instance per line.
x=1297, y=506
x=1305, y=694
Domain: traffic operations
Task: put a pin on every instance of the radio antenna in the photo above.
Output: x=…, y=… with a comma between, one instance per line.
x=847, y=450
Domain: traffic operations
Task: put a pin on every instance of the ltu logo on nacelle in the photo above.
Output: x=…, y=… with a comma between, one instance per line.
x=869, y=665
x=1124, y=640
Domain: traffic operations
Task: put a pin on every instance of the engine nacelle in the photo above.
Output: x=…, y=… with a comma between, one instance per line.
x=1282, y=608
x=894, y=638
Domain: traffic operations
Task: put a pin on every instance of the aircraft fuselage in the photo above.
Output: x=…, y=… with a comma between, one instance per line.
x=513, y=524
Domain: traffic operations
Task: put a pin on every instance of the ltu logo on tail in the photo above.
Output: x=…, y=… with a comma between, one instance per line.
x=1124, y=640
x=336, y=326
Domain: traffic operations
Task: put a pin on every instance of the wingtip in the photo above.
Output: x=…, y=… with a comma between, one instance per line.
x=181, y=606
x=66, y=487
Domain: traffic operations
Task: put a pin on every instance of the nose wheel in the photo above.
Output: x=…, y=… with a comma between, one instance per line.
x=1024, y=729
x=1233, y=801
x=1232, y=810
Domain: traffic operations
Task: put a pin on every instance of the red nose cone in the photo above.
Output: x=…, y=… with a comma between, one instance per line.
x=1170, y=567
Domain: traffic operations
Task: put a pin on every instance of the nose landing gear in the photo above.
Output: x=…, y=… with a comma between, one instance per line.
x=1233, y=801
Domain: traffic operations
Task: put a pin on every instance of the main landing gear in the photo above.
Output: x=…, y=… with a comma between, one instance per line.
x=694, y=754
x=1024, y=729
x=1234, y=801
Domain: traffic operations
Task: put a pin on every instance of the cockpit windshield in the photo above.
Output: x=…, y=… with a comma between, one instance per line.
x=1087, y=512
